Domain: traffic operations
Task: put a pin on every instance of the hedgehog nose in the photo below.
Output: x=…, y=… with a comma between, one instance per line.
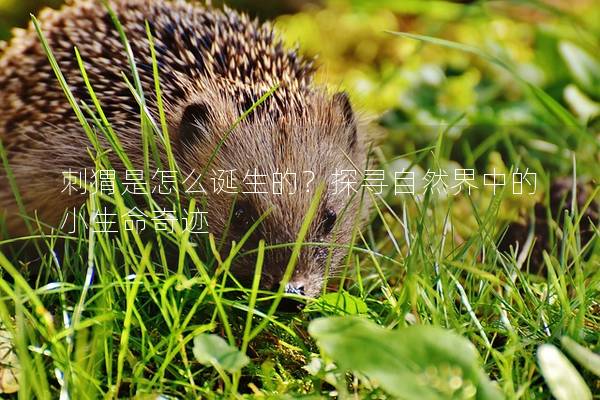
x=289, y=304
x=292, y=288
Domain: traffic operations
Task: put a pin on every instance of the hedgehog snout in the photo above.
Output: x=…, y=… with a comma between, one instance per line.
x=295, y=288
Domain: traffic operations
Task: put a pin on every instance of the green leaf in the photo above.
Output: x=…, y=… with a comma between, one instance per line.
x=344, y=303
x=419, y=361
x=583, y=67
x=561, y=376
x=214, y=350
x=584, y=356
x=583, y=106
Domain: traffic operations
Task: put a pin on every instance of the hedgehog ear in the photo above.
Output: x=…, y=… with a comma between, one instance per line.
x=342, y=100
x=194, y=119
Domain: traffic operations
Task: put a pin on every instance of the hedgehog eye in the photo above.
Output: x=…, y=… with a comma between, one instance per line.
x=329, y=221
x=194, y=118
x=243, y=216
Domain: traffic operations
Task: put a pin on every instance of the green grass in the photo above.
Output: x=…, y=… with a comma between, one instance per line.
x=128, y=315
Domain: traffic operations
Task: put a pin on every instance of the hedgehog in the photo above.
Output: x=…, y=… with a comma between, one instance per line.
x=214, y=64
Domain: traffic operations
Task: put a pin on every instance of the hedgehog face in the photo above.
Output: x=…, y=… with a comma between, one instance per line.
x=268, y=169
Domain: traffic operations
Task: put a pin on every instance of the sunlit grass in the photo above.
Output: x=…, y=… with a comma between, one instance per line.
x=101, y=315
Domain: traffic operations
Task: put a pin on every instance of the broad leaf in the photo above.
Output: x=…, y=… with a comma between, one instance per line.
x=343, y=302
x=419, y=361
x=561, y=376
x=584, y=356
x=214, y=350
x=584, y=68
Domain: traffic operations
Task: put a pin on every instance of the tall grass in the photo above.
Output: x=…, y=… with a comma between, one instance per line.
x=101, y=315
